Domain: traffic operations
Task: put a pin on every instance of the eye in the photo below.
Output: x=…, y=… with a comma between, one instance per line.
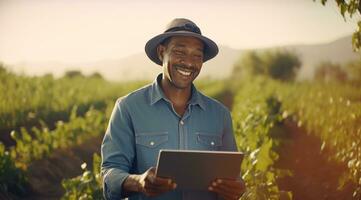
x=198, y=56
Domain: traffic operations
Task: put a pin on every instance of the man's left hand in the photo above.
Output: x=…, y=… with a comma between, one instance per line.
x=228, y=189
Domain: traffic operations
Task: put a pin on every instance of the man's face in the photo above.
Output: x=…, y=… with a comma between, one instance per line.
x=182, y=60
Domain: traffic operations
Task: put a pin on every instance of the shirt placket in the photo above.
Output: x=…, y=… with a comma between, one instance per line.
x=182, y=129
x=183, y=137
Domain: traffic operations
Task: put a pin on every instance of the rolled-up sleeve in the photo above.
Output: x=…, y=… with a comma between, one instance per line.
x=228, y=140
x=117, y=151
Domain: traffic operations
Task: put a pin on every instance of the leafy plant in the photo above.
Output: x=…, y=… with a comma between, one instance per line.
x=87, y=186
x=12, y=179
x=256, y=111
x=350, y=8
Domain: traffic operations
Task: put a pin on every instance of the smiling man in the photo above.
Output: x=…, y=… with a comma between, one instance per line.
x=168, y=114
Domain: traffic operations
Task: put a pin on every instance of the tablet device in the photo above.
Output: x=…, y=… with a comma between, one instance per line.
x=195, y=170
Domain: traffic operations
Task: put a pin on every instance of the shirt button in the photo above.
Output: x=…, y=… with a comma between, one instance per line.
x=181, y=122
x=151, y=143
x=212, y=143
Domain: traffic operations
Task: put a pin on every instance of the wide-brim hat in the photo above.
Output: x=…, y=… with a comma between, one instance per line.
x=180, y=27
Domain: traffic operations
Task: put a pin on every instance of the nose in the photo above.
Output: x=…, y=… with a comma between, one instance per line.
x=188, y=61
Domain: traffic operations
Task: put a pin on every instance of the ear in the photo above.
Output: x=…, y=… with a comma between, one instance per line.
x=160, y=52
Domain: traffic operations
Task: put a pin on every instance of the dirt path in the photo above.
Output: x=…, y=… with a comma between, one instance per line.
x=45, y=175
x=315, y=177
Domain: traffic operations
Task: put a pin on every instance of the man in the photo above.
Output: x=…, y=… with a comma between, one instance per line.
x=168, y=114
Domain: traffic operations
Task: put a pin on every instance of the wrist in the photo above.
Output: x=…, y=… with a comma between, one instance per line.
x=132, y=184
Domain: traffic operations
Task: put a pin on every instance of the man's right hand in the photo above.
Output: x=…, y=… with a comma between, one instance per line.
x=148, y=184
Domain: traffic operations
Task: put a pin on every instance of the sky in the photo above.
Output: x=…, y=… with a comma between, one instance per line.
x=93, y=30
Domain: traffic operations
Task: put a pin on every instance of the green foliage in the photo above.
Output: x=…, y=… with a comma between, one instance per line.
x=66, y=134
x=346, y=7
x=73, y=74
x=334, y=116
x=328, y=72
x=256, y=111
x=12, y=179
x=281, y=65
x=88, y=186
x=24, y=100
x=96, y=75
x=2, y=69
x=331, y=112
x=85, y=102
x=349, y=8
x=210, y=87
x=41, y=142
x=277, y=64
x=249, y=64
x=354, y=72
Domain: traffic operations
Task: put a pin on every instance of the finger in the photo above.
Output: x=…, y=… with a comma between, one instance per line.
x=232, y=183
x=160, y=181
x=152, y=190
x=140, y=187
x=151, y=177
x=226, y=190
x=160, y=187
x=150, y=174
x=223, y=189
x=163, y=181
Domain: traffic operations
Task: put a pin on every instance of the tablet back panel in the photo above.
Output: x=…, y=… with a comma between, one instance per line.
x=195, y=170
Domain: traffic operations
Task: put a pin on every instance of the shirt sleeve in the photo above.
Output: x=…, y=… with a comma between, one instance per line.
x=228, y=140
x=117, y=151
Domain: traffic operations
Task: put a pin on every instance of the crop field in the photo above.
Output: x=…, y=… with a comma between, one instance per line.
x=293, y=134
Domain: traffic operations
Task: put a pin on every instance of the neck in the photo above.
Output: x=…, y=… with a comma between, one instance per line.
x=178, y=96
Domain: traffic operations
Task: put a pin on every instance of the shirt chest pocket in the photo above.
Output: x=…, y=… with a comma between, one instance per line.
x=209, y=141
x=147, y=148
x=151, y=139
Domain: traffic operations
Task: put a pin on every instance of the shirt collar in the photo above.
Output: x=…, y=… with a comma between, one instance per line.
x=156, y=94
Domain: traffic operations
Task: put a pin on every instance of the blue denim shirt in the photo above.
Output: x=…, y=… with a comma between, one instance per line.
x=144, y=121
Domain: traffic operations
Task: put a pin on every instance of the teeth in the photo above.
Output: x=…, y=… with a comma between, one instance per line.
x=184, y=73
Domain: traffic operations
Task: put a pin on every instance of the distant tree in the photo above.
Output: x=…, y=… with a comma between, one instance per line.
x=73, y=74
x=350, y=7
x=249, y=64
x=277, y=64
x=328, y=71
x=282, y=65
x=354, y=72
x=2, y=68
x=96, y=75
x=48, y=76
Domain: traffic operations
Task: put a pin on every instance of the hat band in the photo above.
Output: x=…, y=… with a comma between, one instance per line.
x=186, y=27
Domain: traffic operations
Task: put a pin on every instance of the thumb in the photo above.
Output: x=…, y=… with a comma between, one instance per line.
x=151, y=174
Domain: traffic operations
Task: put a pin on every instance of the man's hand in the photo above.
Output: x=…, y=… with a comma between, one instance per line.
x=228, y=189
x=148, y=184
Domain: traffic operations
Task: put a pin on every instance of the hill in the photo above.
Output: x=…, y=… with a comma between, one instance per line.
x=138, y=66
